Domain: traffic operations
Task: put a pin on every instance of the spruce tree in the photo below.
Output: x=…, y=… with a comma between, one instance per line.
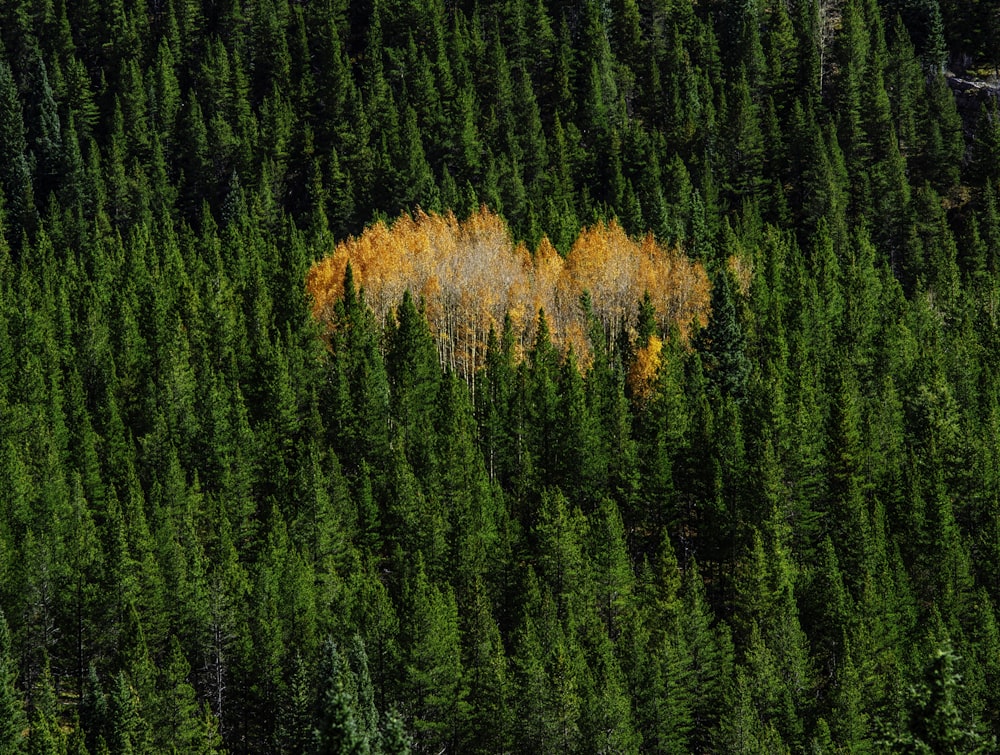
x=934, y=722
x=728, y=364
x=338, y=726
x=15, y=177
x=435, y=686
x=12, y=718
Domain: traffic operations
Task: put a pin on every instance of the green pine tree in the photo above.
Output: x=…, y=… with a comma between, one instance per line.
x=12, y=719
x=934, y=721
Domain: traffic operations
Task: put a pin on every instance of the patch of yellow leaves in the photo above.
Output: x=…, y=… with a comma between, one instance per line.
x=645, y=367
x=470, y=275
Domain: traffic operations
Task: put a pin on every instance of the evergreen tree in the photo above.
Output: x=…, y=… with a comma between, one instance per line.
x=11, y=706
x=745, y=144
x=436, y=689
x=15, y=179
x=45, y=738
x=934, y=721
x=725, y=340
x=491, y=704
x=338, y=725
x=711, y=659
x=412, y=367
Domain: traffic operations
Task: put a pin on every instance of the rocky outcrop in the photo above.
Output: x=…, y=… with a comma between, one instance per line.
x=972, y=93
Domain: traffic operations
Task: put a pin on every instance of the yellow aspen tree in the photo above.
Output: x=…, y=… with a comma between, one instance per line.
x=470, y=276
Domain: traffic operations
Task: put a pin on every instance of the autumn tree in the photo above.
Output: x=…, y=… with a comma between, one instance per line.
x=470, y=275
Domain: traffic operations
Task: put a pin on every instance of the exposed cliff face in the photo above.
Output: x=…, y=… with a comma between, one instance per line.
x=971, y=93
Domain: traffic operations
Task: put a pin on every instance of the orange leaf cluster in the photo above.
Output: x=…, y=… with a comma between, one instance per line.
x=642, y=373
x=470, y=275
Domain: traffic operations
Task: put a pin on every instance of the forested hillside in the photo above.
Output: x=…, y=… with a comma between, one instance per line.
x=498, y=376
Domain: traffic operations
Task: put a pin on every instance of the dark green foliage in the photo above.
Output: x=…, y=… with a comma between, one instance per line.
x=433, y=682
x=725, y=342
x=413, y=372
x=225, y=527
x=11, y=706
x=934, y=721
x=15, y=178
x=339, y=723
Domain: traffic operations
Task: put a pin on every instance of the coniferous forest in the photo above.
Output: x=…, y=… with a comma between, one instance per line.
x=499, y=376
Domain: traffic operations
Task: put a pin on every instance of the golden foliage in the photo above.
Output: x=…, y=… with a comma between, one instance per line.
x=642, y=373
x=470, y=275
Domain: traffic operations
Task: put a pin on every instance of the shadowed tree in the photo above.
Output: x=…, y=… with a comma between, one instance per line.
x=934, y=721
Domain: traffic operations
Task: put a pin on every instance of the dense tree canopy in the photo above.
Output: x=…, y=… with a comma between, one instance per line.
x=498, y=376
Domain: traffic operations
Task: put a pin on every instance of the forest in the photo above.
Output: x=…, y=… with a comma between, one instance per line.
x=499, y=376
